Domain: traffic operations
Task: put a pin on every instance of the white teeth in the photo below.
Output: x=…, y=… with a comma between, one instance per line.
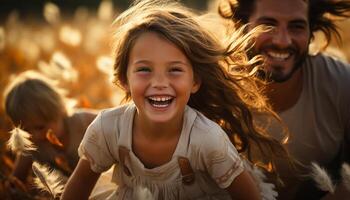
x=160, y=101
x=160, y=98
x=280, y=56
x=160, y=105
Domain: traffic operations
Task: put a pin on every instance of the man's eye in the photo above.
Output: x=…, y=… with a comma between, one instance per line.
x=268, y=23
x=298, y=27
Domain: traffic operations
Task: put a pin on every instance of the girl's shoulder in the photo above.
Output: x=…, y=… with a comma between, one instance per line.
x=206, y=133
x=210, y=147
x=116, y=112
x=84, y=115
x=112, y=119
x=205, y=127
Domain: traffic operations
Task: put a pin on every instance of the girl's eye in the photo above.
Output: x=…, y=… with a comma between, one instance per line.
x=143, y=69
x=39, y=128
x=176, y=69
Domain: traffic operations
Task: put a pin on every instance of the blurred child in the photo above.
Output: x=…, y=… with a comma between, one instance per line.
x=169, y=140
x=36, y=105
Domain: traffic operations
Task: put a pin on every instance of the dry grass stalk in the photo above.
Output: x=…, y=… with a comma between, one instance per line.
x=345, y=174
x=48, y=180
x=267, y=190
x=322, y=178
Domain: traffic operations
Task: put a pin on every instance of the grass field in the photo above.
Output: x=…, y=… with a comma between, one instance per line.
x=77, y=52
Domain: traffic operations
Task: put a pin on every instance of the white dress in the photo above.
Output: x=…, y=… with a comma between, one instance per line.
x=213, y=158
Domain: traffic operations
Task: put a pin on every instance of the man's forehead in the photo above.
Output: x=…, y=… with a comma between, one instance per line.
x=282, y=8
x=282, y=2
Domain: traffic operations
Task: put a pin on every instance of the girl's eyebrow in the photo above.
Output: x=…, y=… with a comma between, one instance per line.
x=170, y=62
x=179, y=62
x=142, y=62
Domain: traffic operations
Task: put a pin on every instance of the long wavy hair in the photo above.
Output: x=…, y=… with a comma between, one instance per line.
x=224, y=97
x=321, y=14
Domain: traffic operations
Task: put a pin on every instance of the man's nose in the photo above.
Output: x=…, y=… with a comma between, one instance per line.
x=281, y=38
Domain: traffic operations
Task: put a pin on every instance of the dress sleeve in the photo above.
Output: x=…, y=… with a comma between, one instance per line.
x=95, y=147
x=221, y=158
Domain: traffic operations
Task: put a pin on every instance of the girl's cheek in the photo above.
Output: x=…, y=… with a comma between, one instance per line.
x=38, y=136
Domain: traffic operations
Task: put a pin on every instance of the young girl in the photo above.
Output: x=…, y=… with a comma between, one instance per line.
x=167, y=140
x=36, y=105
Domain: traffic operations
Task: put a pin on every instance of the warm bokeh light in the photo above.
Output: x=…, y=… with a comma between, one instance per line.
x=52, y=13
x=70, y=36
x=74, y=49
x=2, y=38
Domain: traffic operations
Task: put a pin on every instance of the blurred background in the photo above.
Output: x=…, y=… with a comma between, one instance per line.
x=67, y=40
x=70, y=41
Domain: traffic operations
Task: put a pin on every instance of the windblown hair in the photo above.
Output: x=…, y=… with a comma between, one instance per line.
x=226, y=98
x=32, y=95
x=321, y=14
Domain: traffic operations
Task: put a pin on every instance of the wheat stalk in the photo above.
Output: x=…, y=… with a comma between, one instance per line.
x=322, y=178
x=142, y=193
x=345, y=173
x=267, y=190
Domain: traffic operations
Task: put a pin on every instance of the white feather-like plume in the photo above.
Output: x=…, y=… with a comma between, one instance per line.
x=142, y=193
x=48, y=180
x=322, y=178
x=345, y=174
x=267, y=190
x=20, y=141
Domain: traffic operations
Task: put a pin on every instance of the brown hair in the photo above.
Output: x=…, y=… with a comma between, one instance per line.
x=30, y=94
x=321, y=14
x=226, y=98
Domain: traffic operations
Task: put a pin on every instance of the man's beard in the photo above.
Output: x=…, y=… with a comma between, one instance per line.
x=270, y=76
x=278, y=78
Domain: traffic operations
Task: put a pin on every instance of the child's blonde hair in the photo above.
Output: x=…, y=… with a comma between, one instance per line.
x=32, y=95
x=224, y=97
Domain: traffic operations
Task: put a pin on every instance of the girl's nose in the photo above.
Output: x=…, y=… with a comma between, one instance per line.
x=160, y=81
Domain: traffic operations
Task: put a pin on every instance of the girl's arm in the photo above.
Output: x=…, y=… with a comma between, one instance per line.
x=243, y=187
x=81, y=182
x=22, y=166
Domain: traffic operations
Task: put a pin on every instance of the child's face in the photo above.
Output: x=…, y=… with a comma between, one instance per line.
x=39, y=128
x=160, y=78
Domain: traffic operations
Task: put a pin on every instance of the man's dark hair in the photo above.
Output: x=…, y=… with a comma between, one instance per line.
x=322, y=14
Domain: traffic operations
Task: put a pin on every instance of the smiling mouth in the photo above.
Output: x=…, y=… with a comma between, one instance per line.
x=278, y=56
x=160, y=101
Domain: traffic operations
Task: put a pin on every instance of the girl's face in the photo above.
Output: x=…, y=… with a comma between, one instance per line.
x=39, y=128
x=160, y=78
